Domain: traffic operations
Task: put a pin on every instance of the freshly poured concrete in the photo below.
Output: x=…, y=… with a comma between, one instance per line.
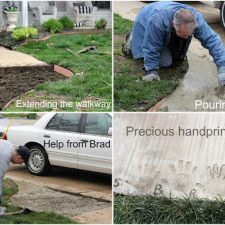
x=200, y=83
x=11, y=58
x=174, y=166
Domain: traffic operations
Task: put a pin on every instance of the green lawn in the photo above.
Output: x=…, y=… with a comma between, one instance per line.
x=11, y=188
x=92, y=71
x=149, y=209
x=130, y=92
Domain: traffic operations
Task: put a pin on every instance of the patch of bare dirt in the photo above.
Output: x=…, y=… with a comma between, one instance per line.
x=15, y=81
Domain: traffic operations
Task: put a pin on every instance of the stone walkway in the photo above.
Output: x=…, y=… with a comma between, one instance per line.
x=11, y=58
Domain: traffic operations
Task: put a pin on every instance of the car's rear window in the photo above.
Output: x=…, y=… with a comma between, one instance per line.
x=70, y=122
x=98, y=123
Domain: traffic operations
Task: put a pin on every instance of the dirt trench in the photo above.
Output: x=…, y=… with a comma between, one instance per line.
x=15, y=81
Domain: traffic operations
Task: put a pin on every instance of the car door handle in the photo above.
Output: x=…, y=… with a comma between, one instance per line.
x=47, y=136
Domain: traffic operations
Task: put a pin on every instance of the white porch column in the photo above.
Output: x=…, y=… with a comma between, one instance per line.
x=25, y=13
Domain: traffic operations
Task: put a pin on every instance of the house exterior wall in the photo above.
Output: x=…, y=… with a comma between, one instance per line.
x=62, y=9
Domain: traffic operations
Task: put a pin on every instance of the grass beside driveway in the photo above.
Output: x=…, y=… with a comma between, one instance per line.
x=130, y=92
x=11, y=188
x=92, y=71
x=162, y=210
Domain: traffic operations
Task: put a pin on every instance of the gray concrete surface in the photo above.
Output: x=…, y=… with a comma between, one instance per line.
x=200, y=83
x=14, y=59
x=182, y=163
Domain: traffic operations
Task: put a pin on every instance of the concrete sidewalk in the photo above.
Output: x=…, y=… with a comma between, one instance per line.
x=200, y=83
x=11, y=58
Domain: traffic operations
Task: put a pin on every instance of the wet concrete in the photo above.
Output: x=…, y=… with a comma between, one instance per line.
x=39, y=199
x=199, y=84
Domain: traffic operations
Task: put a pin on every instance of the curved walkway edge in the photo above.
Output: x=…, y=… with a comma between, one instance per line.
x=199, y=84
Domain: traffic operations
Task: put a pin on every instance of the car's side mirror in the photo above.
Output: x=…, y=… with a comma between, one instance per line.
x=110, y=131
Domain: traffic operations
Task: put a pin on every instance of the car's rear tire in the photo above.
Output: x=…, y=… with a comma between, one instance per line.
x=38, y=163
x=222, y=14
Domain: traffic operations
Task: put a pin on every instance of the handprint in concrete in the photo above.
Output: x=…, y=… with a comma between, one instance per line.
x=180, y=177
x=214, y=184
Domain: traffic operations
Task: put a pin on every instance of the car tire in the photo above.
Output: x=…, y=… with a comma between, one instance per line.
x=222, y=14
x=38, y=163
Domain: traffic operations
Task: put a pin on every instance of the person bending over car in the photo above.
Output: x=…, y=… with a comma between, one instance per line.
x=162, y=33
x=9, y=154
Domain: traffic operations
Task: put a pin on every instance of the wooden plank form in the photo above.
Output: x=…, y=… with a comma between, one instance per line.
x=176, y=165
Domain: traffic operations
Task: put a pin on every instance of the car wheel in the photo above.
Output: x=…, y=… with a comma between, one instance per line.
x=222, y=14
x=38, y=163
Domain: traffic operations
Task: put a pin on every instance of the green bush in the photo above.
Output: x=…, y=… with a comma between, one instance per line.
x=53, y=26
x=31, y=116
x=100, y=24
x=66, y=22
x=24, y=33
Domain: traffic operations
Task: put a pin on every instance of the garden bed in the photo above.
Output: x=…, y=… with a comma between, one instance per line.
x=7, y=41
x=15, y=81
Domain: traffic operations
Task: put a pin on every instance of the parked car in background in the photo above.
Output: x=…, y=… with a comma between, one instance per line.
x=219, y=5
x=58, y=139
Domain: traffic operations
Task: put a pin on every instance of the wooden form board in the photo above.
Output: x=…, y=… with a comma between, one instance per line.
x=177, y=165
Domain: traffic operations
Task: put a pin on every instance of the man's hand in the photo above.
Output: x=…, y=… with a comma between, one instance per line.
x=221, y=75
x=150, y=76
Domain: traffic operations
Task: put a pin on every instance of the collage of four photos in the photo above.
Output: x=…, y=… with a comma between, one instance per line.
x=112, y=112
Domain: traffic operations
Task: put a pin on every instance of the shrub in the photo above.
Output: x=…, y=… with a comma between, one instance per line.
x=100, y=24
x=24, y=33
x=31, y=116
x=66, y=22
x=53, y=26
